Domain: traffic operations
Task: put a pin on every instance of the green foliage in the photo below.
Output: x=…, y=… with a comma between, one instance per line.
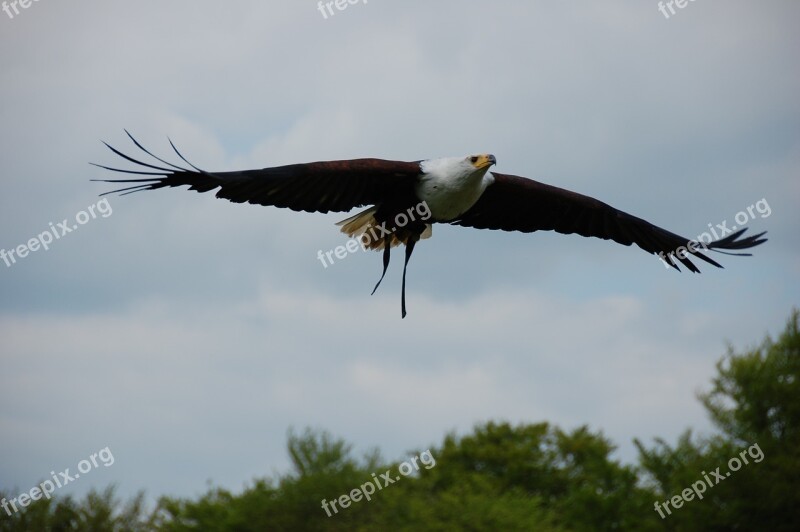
x=99, y=511
x=569, y=473
x=505, y=477
x=323, y=468
x=754, y=401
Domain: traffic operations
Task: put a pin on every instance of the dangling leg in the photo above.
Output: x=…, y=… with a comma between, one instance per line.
x=386, y=249
x=412, y=240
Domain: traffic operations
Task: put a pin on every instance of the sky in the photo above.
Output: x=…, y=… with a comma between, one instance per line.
x=186, y=335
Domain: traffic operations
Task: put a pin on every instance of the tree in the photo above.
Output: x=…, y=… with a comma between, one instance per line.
x=755, y=404
x=569, y=473
x=98, y=511
x=523, y=477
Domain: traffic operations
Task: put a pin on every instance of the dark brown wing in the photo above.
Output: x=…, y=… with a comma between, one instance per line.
x=514, y=203
x=312, y=187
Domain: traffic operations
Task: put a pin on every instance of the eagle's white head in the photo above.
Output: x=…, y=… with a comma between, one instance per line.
x=483, y=161
x=459, y=168
x=451, y=185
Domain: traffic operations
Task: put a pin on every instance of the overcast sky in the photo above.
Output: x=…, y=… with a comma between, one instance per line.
x=187, y=334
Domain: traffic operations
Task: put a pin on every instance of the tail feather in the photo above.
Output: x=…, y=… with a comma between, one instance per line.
x=366, y=228
x=359, y=223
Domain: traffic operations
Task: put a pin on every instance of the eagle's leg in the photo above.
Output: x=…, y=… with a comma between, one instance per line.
x=386, y=250
x=412, y=240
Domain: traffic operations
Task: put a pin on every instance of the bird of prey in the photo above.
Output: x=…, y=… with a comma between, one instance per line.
x=453, y=190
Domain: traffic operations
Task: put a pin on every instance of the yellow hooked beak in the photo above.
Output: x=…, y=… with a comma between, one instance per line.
x=483, y=161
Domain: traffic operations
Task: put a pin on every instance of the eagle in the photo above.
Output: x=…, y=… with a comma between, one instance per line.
x=404, y=199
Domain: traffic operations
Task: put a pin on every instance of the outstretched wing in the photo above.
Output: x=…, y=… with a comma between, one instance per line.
x=514, y=203
x=312, y=187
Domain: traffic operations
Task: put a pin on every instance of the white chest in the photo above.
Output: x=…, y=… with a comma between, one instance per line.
x=450, y=195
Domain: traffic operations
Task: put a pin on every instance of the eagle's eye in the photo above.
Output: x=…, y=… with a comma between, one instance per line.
x=473, y=159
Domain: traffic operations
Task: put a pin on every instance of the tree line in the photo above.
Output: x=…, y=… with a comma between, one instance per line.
x=745, y=476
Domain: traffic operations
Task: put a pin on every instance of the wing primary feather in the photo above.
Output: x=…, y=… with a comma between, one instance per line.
x=156, y=157
x=137, y=172
x=182, y=157
x=131, y=159
x=130, y=190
